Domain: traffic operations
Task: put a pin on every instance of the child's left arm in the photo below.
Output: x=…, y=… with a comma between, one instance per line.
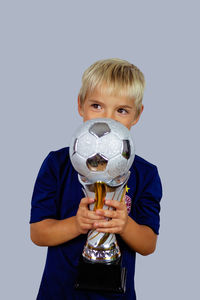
x=140, y=238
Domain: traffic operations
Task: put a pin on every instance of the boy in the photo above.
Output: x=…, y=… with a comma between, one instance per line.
x=60, y=218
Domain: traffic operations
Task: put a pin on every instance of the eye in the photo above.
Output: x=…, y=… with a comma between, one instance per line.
x=96, y=106
x=122, y=111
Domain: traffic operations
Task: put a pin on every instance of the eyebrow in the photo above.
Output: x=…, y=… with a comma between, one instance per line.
x=126, y=106
x=94, y=100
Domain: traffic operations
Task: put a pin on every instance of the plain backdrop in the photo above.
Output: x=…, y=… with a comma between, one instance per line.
x=45, y=48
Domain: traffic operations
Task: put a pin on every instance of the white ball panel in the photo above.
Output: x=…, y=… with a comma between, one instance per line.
x=86, y=145
x=109, y=145
x=120, y=130
x=117, y=166
x=79, y=164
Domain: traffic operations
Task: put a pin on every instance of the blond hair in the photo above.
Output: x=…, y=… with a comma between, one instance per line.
x=115, y=77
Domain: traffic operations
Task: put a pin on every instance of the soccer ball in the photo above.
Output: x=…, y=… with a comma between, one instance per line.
x=102, y=150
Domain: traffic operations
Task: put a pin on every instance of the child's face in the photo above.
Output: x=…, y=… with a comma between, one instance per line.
x=100, y=105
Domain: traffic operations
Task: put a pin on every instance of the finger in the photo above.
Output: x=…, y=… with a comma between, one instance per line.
x=108, y=213
x=92, y=221
x=109, y=230
x=87, y=221
x=104, y=224
x=92, y=215
x=86, y=226
x=116, y=204
x=85, y=201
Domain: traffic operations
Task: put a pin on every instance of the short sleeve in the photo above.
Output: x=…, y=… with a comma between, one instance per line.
x=43, y=204
x=147, y=207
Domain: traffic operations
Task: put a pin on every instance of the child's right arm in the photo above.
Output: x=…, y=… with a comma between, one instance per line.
x=51, y=232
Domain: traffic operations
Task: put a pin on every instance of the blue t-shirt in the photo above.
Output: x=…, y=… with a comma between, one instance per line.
x=57, y=194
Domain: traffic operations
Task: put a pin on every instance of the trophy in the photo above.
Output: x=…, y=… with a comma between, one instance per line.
x=102, y=152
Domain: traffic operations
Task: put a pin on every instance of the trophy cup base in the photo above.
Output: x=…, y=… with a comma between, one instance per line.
x=98, y=277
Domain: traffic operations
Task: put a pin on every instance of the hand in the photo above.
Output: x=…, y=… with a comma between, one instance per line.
x=85, y=218
x=117, y=219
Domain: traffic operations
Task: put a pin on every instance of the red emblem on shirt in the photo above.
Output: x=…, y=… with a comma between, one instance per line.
x=128, y=203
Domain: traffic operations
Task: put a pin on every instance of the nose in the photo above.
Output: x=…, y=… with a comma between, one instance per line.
x=108, y=114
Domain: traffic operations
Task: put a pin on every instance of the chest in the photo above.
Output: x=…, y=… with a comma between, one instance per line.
x=70, y=193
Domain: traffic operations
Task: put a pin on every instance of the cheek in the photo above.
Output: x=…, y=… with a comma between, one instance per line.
x=126, y=123
x=87, y=116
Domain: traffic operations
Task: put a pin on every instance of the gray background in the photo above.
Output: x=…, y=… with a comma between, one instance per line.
x=45, y=47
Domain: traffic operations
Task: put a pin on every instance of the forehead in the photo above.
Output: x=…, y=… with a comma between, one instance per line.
x=104, y=92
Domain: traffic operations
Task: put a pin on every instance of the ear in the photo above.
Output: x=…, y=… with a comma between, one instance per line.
x=80, y=107
x=138, y=117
